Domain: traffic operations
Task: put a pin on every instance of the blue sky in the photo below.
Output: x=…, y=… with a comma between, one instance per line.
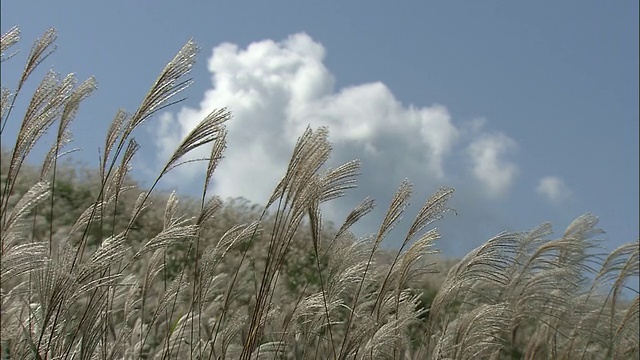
x=528, y=109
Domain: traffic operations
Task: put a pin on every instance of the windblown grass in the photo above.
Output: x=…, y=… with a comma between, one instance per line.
x=93, y=268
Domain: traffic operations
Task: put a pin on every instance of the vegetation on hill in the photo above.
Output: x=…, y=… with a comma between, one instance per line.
x=91, y=267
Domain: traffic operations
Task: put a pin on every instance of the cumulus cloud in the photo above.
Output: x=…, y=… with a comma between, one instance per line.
x=553, y=189
x=276, y=89
x=490, y=166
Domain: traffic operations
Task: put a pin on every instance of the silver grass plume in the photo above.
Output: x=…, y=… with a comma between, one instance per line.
x=398, y=204
x=22, y=259
x=310, y=152
x=167, y=85
x=91, y=213
x=170, y=296
x=69, y=112
x=355, y=215
x=477, y=333
x=626, y=334
x=170, y=211
x=114, y=133
x=393, y=215
x=36, y=194
x=110, y=251
x=114, y=187
x=219, y=146
x=45, y=106
x=138, y=207
x=153, y=269
x=484, y=264
x=7, y=40
x=298, y=192
x=208, y=130
x=210, y=208
x=40, y=50
x=336, y=181
x=390, y=336
x=5, y=102
x=213, y=255
x=628, y=270
x=409, y=262
x=166, y=238
x=430, y=212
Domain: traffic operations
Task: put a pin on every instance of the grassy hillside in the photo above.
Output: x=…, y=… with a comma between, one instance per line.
x=93, y=267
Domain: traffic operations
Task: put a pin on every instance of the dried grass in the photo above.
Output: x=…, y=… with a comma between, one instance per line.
x=130, y=279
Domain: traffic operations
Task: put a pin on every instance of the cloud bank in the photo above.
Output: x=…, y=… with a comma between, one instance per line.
x=276, y=89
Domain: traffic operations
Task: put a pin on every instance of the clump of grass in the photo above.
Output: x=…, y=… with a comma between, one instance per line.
x=97, y=269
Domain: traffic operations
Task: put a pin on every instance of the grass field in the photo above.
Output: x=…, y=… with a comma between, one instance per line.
x=92, y=267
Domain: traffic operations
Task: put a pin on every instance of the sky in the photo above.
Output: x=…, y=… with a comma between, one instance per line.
x=528, y=109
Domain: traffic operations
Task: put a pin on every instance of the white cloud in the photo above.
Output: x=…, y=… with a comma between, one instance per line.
x=275, y=89
x=490, y=167
x=553, y=189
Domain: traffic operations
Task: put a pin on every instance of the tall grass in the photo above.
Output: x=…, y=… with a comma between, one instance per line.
x=118, y=275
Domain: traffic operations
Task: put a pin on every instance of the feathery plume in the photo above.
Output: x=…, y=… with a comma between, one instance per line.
x=114, y=133
x=36, y=194
x=395, y=210
x=40, y=50
x=207, y=131
x=356, y=214
x=166, y=86
x=7, y=40
x=219, y=145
